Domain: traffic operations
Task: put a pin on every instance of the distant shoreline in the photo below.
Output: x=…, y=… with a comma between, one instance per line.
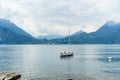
x=59, y=44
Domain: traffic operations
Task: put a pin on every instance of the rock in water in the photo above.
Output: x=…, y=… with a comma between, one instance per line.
x=9, y=76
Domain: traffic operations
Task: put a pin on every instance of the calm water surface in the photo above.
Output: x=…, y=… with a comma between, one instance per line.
x=42, y=62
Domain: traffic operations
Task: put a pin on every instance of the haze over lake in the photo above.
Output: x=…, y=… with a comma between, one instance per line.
x=43, y=62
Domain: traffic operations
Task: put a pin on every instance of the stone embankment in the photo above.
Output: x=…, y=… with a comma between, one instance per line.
x=9, y=76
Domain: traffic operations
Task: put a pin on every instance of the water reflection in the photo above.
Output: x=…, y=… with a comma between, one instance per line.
x=68, y=67
x=42, y=62
x=105, y=59
x=66, y=58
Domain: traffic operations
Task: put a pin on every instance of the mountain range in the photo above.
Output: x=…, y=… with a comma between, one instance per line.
x=50, y=36
x=12, y=34
x=109, y=33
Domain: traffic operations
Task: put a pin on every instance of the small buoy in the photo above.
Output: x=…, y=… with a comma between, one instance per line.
x=109, y=57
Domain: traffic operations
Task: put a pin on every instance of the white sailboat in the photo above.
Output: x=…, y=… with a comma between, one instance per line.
x=69, y=52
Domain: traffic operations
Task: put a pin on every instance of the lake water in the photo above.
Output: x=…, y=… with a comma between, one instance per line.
x=42, y=62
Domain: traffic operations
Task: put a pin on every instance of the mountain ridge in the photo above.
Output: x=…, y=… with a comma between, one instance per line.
x=108, y=33
x=12, y=34
x=50, y=36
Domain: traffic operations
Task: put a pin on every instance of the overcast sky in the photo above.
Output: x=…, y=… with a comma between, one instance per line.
x=42, y=17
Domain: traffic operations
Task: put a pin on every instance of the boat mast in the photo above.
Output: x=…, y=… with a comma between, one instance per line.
x=69, y=39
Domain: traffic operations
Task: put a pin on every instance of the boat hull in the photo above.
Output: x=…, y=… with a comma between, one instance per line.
x=66, y=54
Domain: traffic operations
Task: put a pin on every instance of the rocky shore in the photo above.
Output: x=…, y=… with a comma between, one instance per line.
x=9, y=76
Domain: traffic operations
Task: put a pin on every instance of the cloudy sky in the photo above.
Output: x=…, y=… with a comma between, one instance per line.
x=42, y=17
